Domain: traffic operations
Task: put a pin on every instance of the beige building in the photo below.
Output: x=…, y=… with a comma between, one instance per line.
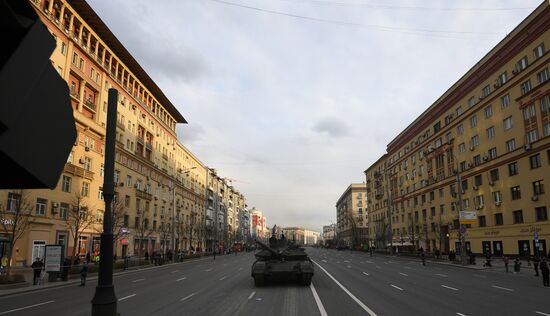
x=160, y=185
x=352, y=216
x=482, y=148
x=378, y=204
x=302, y=236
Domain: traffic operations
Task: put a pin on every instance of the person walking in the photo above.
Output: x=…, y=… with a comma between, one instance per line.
x=423, y=254
x=517, y=265
x=536, y=262
x=545, y=271
x=506, y=262
x=37, y=267
x=83, y=274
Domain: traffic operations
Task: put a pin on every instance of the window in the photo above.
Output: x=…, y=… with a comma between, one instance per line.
x=525, y=87
x=485, y=91
x=88, y=163
x=126, y=220
x=481, y=220
x=474, y=141
x=490, y=132
x=102, y=170
x=472, y=101
x=460, y=129
x=477, y=160
x=116, y=177
x=497, y=197
x=541, y=214
x=521, y=64
x=529, y=114
x=128, y=181
x=545, y=105
x=508, y=123
x=538, y=51
x=461, y=147
x=488, y=111
x=516, y=192
x=464, y=185
x=513, y=168
x=459, y=111
x=66, y=184
x=14, y=200
x=85, y=189
x=63, y=210
x=538, y=187
x=511, y=145
x=498, y=219
x=473, y=121
x=63, y=48
x=136, y=222
x=465, y=204
x=543, y=76
x=478, y=201
x=502, y=78
x=535, y=161
x=492, y=153
x=505, y=100
x=127, y=201
x=532, y=136
x=494, y=175
x=100, y=193
x=478, y=180
x=518, y=217
x=75, y=58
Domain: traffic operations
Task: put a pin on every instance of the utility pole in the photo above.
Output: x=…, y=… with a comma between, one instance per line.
x=104, y=302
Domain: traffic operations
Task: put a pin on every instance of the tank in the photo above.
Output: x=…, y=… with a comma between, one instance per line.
x=281, y=260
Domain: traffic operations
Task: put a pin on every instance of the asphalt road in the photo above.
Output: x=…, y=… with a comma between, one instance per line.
x=344, y=284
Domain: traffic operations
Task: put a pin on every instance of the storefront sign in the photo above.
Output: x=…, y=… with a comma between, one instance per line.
x=491, y=233
x=6, y=221
x=53, y=257
x=468, y=217
x=531, y=229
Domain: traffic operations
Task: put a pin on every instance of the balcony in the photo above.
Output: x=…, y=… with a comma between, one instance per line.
x=74, y=93
x=78, y=171
x=143, y=195
x=140, y=140
x=90, y=104
x=149, y=146
x=165, y=157
x=120, y=125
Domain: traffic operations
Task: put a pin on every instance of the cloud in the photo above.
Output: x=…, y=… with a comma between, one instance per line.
x=331, y=126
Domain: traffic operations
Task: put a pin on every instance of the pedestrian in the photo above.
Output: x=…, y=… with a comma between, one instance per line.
x=506, y=261
x=487, y=259
x=370, y=251
x=517, y=265
x=37, y=267
x=88, y=257
x=536, y=262
x=146, y=256
x=545, y=273
x=83, y=274
x=423, y=254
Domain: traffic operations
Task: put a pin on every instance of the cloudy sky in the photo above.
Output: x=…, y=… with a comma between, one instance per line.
x=295, y=98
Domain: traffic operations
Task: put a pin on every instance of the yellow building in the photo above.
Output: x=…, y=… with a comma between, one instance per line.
x=160, y=184
x=378, y=204
x=487, y=140
x=352, y=217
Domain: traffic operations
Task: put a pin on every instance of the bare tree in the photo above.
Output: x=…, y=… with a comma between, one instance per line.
x=142, y=229
x=165, y=232
x=189, y=228
x=118, y=225
x=15, y=219
x=78, y=220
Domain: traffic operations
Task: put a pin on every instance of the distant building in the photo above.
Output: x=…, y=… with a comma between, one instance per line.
x=301, y=235
x=329, y=234
x=259, y=229
x=352, y=217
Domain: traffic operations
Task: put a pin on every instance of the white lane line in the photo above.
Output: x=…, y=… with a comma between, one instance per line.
x=251, y=295
x=208, y=270
x=126, y=297
x=26, y=307
x=223, y=278
x=365, y=307
x=318, y=300
x=541, y=313
x=441, y=275
x=175, y=271
x=365, y=273
x=181, y=279
x=403, y=274
x=397, y=287
x=346, y=261
x=407, y=267
x=138, y=280
x=324, y=261
x=460, y=314
x=450, y=288
x=187, y=297
x=502, y=288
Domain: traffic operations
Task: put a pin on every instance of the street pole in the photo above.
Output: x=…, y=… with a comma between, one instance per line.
x=104, y=302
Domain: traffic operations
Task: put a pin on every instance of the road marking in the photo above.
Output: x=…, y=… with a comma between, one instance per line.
x=378, y=267
x=397, y=287
x=403, y=274
x=541, y=313
x=365, y=273
x=460, y=314
x=324, y=261
x=349, y=267
x=125, y=297
x=441, y=275
x=138, y=280
x=450, y=288
x=407, y=267
x=251, y=295
x=187, y=297
x=479, y=275
x=318, y=300
x=26, y=307
x=223, y=278
x=365, y=307
x=174, y=271
x=208, y=270
x=502, y=288
x=346, y=261
x=181, y=279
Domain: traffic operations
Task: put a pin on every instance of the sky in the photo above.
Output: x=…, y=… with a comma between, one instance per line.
x=294, y=99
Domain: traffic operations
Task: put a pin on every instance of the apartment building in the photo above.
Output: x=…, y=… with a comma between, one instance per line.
x=479, y=155
x=378, y=204
x=259, y=228
x=352, y=217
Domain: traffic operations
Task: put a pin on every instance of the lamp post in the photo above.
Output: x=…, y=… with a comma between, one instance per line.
x=105, y=302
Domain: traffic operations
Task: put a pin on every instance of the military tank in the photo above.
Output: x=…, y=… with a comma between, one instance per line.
x=281, y=260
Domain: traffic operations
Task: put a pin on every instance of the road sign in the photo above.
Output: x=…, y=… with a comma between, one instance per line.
x=468, y=217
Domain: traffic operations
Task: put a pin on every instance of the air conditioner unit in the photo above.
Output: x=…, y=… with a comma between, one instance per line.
x=485, y=158
x=479, y=207
x=135, y=186
x=87, y=148
x=535, y=198
x=81, y=161
x=491, y=182
x=497, y=85
x=515, y=71
x=472, y=148
x=121, y=184
x=475, y=187
x=527, y=146
x=55, y=204
x=497, y=203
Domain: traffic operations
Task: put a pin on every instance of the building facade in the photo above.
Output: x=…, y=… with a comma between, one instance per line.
x=329, y=235
x=259, y=228
x=352, y=216
x=162, y=189
x=479, y=155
